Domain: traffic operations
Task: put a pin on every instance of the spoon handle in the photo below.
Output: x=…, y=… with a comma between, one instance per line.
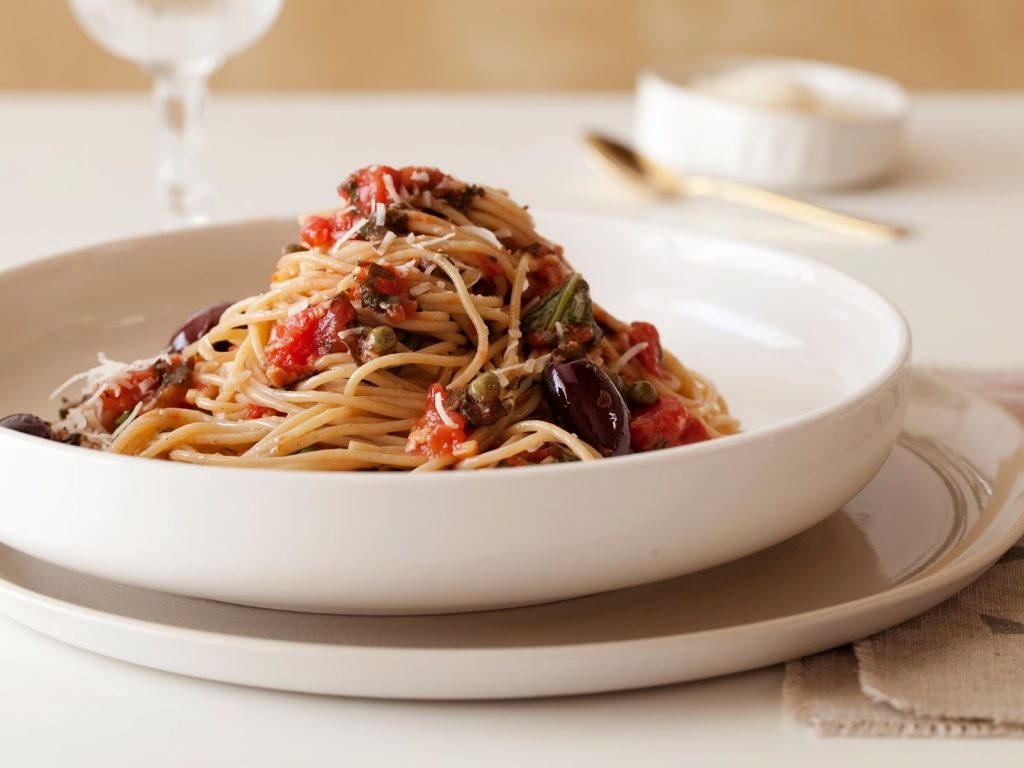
x=791, y=208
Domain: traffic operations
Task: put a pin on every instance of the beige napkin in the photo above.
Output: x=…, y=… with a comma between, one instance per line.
x=957, y=670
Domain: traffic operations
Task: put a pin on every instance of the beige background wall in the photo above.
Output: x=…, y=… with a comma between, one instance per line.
x=544, y=44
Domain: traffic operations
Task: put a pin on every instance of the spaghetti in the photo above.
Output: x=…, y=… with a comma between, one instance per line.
x=422, y=324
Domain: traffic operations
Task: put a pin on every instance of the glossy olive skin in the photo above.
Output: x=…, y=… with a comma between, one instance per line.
x=28, y=424
x=583, y=400
x=197, y=326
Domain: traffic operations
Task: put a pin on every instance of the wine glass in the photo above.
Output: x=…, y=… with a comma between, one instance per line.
x=179, y=43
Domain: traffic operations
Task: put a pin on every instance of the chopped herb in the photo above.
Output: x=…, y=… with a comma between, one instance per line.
x=569, y=305
x=122, y=418
x=177, y=375
x=461, y=199
x=383, y=291
x=349, y=188
x=395, y=220
x=565, y=315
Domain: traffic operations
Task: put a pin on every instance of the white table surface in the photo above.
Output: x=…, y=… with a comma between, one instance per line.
x=77, y=169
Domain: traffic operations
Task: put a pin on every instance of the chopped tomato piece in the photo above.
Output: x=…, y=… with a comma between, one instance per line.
x=164, y=384
x=419, y=177
x=650, y=357
x=121, y=398
x=255, y=411
x=321, y=231
x=488, y=265
x=664, y=424
x=297, y=343
x=432, y=436
x=382, y=290
x=367, y=187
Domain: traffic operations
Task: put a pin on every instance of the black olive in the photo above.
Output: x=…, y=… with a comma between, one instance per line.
x=28, y=424
x=583, y=400
x=197, y=326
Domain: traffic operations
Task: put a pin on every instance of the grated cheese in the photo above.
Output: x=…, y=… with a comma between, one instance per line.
x=108, y=376
x=484, y=234
x=382, y=213
x=439, y=405
x=389, y=238
x=419, y=176
x=389, y=185
x=424, y=244
x=419, y=290
x=348, y=235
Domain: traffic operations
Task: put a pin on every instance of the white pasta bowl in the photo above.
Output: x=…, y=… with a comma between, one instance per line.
x=812, y=362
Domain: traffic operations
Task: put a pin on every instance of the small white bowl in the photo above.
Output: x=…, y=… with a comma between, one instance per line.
x=847, y=131
x=814, y=364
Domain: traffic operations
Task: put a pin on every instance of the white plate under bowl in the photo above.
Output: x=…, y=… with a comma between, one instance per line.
x=947, y=503
x=813, y=362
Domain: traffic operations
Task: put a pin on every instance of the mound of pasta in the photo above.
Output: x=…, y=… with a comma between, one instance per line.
x=422, y=324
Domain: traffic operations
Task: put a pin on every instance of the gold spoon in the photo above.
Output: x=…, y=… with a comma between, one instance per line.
x=615, y=158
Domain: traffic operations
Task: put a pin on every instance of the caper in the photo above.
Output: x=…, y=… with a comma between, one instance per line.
x=292, y=248
x=383, y=339
x=485, y=388
x=641, y=392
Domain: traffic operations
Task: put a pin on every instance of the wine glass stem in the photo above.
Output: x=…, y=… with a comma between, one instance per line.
x=182, y=181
